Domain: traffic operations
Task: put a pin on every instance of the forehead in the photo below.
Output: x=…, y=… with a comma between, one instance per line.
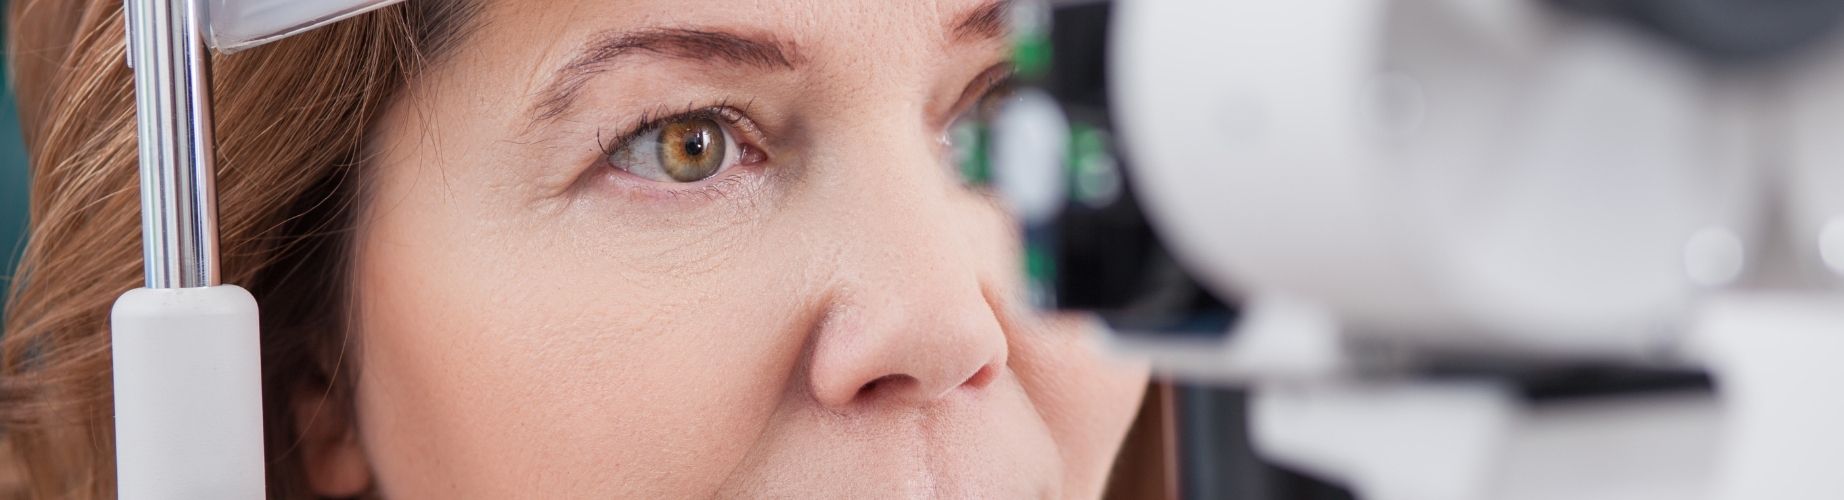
x=819, y=24
x=517, y=52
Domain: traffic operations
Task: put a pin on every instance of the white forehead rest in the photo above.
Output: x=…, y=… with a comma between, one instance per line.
x=240, y=24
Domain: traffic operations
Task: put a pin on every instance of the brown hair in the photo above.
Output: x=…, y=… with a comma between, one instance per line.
x=291, y=120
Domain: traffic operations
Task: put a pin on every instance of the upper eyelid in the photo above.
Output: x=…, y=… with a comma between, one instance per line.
x=729, y=114
x=998, y=73
x=990, y=79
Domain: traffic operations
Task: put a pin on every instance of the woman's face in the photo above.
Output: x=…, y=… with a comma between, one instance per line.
x=669, y=249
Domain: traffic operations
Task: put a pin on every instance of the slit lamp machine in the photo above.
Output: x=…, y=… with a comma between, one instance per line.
x=1454, y=249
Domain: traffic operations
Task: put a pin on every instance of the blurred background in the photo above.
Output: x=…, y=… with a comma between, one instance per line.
x=12, y=178
x=12, y=207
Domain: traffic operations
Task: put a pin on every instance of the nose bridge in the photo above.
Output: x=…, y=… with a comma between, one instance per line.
x=889, y=149
x=910, y=319
x=889, y=179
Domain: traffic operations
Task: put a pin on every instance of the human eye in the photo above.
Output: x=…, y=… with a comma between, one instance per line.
x=685, y=147
x=965, y=138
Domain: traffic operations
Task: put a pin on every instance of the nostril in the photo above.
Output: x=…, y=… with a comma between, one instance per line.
x=886, y=382
x=906, y=386
x=981, y=378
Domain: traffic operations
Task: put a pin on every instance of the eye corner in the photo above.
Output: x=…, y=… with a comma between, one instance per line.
x=750, y=154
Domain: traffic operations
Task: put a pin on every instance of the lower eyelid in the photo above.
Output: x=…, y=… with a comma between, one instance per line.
x=737, y=182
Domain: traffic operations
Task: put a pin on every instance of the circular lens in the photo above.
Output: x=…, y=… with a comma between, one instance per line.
x=691, y=149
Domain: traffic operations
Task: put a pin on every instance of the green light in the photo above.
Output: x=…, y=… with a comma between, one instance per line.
x=1030, y=22
x=1031, y=57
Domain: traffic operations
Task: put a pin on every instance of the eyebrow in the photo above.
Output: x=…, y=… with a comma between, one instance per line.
x=984, y=23
x=710, y=46
x=694, y=45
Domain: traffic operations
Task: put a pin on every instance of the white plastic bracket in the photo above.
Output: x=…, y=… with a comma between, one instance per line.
x=1777, y=360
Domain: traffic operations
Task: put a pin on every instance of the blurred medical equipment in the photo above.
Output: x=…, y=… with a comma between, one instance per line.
x=188, y=394
x=1458, y=250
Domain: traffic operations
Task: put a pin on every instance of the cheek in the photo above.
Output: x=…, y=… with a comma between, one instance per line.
x=592, y=363
x=1087, y=398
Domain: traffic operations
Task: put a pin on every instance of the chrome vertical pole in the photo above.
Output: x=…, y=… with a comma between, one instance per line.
x=179, y=213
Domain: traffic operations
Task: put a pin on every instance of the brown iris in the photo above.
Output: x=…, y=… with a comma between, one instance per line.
x=691, y=149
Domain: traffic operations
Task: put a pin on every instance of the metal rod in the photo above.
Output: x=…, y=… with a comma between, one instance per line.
x=179, y=212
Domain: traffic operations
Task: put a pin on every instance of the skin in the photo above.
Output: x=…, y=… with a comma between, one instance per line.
x=840, y=319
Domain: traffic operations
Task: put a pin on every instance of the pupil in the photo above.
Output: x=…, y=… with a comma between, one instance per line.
x=696, y=142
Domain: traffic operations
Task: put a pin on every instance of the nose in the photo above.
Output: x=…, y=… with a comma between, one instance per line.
x=913, y=346
x=910, y=320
